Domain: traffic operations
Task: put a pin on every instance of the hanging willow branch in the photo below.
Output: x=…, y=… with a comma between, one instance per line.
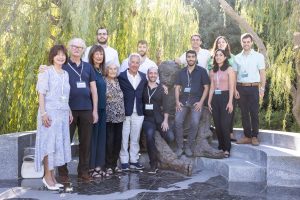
x=244, y=24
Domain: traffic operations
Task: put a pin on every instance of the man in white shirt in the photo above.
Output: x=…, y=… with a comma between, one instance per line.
x=132, y=83
x=111, y=55
x=146, y=63
x=203, y=55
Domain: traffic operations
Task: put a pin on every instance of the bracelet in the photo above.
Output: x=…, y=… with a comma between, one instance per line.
x=262, y=89
x=45, y=113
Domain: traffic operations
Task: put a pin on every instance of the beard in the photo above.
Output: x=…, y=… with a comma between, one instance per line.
x=152, y=79
x=142, y=53
x=102, y=42
x=191, y=63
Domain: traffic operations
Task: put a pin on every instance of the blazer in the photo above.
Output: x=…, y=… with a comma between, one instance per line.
x=130, y=93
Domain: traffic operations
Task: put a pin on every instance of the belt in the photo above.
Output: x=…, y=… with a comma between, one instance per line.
x=248, y=84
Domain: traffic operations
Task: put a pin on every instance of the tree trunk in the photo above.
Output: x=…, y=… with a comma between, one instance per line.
x=243, y=24
x=296, y=90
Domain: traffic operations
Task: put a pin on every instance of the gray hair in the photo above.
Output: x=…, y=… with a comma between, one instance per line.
x=111, y=65
x=77, y=40
x=134, y=55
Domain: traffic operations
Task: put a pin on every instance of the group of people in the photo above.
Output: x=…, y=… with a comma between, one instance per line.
x=110, y=105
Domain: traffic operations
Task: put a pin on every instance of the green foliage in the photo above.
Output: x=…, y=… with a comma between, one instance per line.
x=275, y=22
x=275, y=122
x=213, y=22
x=29, y=28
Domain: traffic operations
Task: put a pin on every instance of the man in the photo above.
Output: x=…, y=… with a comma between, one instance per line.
x=111, y=55
x=251, y=81
x=132, y=83
x=146, y=63
x=156, y=118
x=84, y=108
x=203, y=55
x=191, y=89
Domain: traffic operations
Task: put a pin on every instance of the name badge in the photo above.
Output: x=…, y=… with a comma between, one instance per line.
x=244, y=75
x=81, y=84
x=187, y=90
x=63, y=99
x=217, y=92
x=149, y=106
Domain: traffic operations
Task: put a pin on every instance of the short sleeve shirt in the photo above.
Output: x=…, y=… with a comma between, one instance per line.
x=80, y=98
x=111, y=56
x=202, y=58
x=248, y=66
x=195, y=81
x=143, y=67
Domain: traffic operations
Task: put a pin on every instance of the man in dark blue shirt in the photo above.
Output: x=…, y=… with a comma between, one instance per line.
x=83, y=102
x=191, y=89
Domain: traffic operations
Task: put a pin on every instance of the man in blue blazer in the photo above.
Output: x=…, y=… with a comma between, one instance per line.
x=132, y=83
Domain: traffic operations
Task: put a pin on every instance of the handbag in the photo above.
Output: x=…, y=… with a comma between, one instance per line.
x=28, y=169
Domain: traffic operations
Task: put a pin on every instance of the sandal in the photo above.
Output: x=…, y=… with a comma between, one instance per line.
x=109, y=171
x=226, y=154
x=96, y=173
x=104, y=174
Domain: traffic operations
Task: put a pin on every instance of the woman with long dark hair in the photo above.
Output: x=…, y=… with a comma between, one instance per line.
x=222, y=43
x=220, y=98
x=98, y=140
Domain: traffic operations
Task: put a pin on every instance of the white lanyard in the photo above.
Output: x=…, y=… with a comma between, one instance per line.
x=76, y=71
x=63, y=82
x=149, y=96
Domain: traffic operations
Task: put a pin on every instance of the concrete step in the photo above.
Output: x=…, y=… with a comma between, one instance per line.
x=233, y=169
x=281, y=164
x=281, y=139
x=246, y=152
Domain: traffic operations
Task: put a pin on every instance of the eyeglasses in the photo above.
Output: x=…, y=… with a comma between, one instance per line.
x=76, y=47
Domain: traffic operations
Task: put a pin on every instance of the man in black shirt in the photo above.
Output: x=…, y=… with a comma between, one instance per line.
x=191, y=89
x=155, y=116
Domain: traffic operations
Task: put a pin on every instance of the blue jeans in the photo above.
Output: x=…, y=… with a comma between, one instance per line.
x=193, y=126
x=149, y=129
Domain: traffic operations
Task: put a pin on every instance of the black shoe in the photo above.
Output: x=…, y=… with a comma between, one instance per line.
x=136, y=165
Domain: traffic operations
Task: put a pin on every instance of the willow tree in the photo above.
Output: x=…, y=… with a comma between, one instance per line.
x=28, y=28
x=275, y=22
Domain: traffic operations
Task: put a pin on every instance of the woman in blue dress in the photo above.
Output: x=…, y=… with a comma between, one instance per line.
x=98, y=140
x=54, y=116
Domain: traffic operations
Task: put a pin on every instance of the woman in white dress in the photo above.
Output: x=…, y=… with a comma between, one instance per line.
x=54, y=116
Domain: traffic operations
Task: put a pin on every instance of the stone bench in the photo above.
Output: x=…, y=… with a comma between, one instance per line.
x=12, y=150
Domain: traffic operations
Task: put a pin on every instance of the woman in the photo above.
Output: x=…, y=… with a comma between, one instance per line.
x=222, y=43
x=115, y=111
x=98, y=140
x=54, y=116
x=220, y=98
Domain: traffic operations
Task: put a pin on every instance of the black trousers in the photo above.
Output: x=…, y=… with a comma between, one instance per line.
x=235, y=103
x=149, y=129
x=113, y=143
x=249, y=104
x=222, y=119
x=83, y=119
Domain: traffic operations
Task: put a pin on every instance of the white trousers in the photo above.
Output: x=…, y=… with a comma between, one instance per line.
x=131, y=136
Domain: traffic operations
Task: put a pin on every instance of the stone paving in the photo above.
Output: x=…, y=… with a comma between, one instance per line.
x=142, y=186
